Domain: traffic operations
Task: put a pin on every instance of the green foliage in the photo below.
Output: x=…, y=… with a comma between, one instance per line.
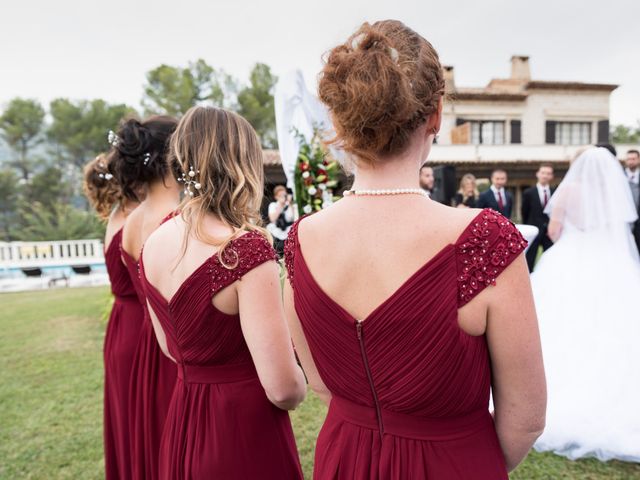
x=625, y=134
x=20, y=126
x=80, y=127
x=255, y=103
x=46, y=188
x=8, y=202
x=173, y=90
x=58, y=222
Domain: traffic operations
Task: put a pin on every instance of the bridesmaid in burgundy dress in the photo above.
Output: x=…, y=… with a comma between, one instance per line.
x=125, y=320
x=212, y=282
x=392, y=320
x=139, y=161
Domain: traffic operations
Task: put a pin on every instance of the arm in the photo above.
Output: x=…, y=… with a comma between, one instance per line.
x=302, y=348
x=519, y=387
x=267, y=336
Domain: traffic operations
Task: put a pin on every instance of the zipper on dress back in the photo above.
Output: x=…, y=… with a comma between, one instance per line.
x=369, y=376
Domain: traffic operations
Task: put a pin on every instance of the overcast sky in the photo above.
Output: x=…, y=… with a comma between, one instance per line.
x=89, y=49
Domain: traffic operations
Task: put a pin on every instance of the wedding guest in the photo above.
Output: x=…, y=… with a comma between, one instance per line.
x=139, y=152
x=632, y=169
x=125, y=320
x=497, y=197
x=467, y=195
x=427, y=179
x=403, y=329
x=534, y=201
x=280, y=217
x=213, y=285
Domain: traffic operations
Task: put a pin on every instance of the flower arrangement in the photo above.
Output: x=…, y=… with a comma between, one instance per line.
x=316, y=174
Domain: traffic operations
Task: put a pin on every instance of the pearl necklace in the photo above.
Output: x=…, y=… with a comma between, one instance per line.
x=380, y=192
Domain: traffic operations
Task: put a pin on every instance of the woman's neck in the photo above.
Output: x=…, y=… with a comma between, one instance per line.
x=398, y=172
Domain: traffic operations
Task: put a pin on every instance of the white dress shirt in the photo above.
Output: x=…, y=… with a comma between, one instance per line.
x=634, y=177
x=541, y=190
x=502, y=193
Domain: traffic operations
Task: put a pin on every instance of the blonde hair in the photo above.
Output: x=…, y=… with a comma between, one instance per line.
x=99, y=186
x=468, y=177
x=225, y=153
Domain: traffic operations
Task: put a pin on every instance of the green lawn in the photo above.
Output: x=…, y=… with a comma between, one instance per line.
x=51, y=395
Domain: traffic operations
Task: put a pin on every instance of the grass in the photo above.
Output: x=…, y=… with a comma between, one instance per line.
x=51, y=395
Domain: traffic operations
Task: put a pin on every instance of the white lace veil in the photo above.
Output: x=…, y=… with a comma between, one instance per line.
x=594, y=193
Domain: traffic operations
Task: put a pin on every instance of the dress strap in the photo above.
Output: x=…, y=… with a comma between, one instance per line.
x=484, y=250
x=242, y=255
x=290, y=247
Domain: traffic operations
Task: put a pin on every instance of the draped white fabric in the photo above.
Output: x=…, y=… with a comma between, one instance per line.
x=586, y=292
x=296, y=108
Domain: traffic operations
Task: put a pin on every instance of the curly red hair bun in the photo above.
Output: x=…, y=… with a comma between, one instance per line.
x=380, y=86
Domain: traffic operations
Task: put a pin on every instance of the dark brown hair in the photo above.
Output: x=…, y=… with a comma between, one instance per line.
x=100, y=188
x=633, y=151
x=380, y=85
x=139, y=156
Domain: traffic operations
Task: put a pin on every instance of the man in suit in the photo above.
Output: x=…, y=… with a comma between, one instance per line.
x=497, y=197
x=534, y=201
x=632, y=170
x=427, y=179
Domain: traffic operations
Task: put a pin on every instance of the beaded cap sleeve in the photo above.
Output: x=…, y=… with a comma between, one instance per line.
x=483, y=251
x=290, y=247
x=243, y=254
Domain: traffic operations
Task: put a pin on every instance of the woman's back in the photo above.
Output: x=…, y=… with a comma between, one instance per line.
x=387, y=299
x=405, y=380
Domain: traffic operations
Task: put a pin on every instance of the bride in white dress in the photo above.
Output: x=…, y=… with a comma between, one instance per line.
x=587, y=293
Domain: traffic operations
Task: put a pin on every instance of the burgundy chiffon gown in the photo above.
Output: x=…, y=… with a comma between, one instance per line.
x=153, y=377
x=220, y=423
x=121, y=339
x=410, y=389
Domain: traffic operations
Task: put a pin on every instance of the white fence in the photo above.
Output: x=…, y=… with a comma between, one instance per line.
x=55, y=253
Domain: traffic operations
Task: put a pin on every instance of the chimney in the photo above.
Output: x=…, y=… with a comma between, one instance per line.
x=520, y=68
x=449, y=84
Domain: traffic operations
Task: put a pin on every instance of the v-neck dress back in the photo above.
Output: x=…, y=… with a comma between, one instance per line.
x=220, y=423
x=410, y=389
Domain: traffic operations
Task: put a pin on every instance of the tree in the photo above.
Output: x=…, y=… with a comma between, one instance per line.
x=8, y=202
x=255, y=103
x=80, y=127
x=20, y=126
x=173, y=90
x=60, y=222
x=625, y=134
x=47, y=188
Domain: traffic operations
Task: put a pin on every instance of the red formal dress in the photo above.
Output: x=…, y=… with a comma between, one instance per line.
x=410, y=389
x=121, y=339
x=153, y=377
x=220, y=423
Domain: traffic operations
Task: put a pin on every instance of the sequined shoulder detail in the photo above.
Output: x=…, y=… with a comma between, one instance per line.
x=290, y=245
x=487, y=246
x=241, y=256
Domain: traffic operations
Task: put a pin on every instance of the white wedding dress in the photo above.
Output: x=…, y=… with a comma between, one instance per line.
x=587, y=293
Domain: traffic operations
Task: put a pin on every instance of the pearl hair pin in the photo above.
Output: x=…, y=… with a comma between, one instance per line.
x=382, y=192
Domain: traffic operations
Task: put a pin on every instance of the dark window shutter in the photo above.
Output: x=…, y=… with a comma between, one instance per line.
x=550, y=131
x=516, y=131
x=603, y=131
x=460, y=121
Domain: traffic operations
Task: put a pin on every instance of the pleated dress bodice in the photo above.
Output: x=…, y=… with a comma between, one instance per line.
x=410, y=389
x=220, y=423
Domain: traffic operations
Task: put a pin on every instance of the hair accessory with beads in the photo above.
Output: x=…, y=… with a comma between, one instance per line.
x=113, y=138
x=147, y=157
x=189, y=181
